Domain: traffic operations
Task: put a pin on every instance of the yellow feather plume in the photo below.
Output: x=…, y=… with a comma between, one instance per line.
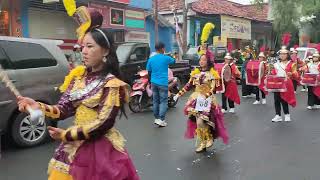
x=70, y=6
x=77, y=72
x=207, y=29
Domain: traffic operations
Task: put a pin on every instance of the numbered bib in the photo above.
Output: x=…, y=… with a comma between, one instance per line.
x=203, y=104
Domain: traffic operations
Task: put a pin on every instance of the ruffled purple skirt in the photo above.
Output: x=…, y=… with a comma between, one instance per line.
x=99, y=160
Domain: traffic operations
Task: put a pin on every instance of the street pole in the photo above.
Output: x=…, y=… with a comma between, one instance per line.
x=184, y=26
x=156, y=30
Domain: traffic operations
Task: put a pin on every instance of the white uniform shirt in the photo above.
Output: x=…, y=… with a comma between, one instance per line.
x=313, y=68
x=281, y=69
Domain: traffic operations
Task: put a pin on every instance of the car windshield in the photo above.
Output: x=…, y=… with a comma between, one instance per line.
x=220, y=53
x=122, y=52
x=192, y=51
x=301, y=54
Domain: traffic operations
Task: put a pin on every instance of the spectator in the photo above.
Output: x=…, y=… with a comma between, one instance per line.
x=157, y=67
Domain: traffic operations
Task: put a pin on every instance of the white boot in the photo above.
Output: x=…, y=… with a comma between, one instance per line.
x=223, y=111
x=256, y=102
x=287, y=118
x=264, y=101
x=231, y=110
x=277, y=118
x=310, y=107
x=317, y=106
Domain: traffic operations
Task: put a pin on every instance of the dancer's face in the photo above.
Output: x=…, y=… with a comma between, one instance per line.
x=315, y=59
x=203, y=62
x=92, y=52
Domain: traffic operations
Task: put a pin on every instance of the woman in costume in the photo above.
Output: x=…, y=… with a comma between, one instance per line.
x=295, y=59
x=284, y=68
x=313, y=67
x=261, y=88
x=205, y=116
x=247, y=90
x=91, y=149
x=231, y=93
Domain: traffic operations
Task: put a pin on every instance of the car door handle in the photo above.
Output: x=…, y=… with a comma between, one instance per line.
x=13, y=81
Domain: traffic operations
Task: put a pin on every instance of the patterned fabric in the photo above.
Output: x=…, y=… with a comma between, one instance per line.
x=95, y=101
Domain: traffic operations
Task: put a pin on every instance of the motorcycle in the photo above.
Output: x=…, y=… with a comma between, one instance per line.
x=141, y=94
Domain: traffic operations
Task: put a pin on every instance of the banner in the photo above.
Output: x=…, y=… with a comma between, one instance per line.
x=236, y=28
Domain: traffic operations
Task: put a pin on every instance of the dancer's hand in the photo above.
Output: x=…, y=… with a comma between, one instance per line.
x=55, y=133
x=24, y=102
x=176, y=97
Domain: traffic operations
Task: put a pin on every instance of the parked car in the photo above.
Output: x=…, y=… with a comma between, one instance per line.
x=133, y=58
x=192, y=55
x=37, y=68
x=304, y=52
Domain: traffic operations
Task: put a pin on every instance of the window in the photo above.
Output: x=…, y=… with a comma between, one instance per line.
x=141, y=53
x=28, y=55
x=4, y=60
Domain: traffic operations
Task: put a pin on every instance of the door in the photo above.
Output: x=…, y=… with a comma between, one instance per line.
x=7, y=98
x=35, y=68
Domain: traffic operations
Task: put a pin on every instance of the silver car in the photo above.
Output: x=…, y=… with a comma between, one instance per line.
x=37, y=68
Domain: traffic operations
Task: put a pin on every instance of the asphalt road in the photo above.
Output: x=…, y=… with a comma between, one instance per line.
x=258, y=148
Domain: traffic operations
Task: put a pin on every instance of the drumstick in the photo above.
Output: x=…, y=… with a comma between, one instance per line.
x=35, y=115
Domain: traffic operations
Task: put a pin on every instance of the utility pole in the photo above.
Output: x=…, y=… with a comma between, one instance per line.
x=156, y=27
x=184, y=26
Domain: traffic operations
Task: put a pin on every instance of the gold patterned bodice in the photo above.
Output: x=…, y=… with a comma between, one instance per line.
x=203, y=82
x=87, y=113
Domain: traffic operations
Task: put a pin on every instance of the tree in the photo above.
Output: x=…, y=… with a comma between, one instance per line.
x=287, y=13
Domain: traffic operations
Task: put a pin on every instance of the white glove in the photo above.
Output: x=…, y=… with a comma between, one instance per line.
x=36, y=116
x=176, y=97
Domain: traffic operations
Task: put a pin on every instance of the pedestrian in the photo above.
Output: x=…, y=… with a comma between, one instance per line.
x=70, y=62
x=92, y=148
x=231, y=93
x=313, y=67
x=284, y=68
x=205, y=117
x=77, y=56
x=157, y=67
x=260, y=89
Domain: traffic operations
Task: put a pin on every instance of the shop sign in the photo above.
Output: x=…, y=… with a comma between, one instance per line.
x=116, y=17
x=136, y=36
x=236, y=28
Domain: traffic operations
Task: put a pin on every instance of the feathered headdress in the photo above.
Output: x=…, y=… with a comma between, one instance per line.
x=86, y=17
x=286, y=37
x=207, y=29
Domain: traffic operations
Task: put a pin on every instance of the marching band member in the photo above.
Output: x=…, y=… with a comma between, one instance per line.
x=231, y=93
x=298, y=63
x=260, y=88
x=313, y=67
x=284, y=68
x=205, y=116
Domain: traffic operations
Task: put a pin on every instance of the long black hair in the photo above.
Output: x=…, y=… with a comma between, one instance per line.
x=111, y=66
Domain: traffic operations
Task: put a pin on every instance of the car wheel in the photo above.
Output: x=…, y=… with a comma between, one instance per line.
x=27, y=134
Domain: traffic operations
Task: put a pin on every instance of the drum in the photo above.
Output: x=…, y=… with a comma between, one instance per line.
x=275, y=84
x=225, y=73
x=254, y=72
x=310, y=79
